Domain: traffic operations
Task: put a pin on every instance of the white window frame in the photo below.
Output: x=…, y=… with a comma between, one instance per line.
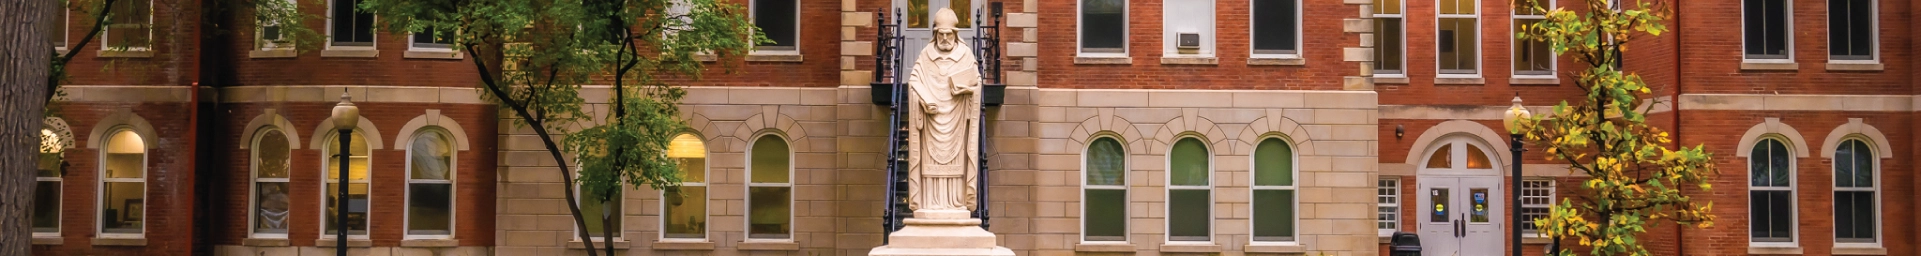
x=1392, y=199
x=1480, y=66
x=620, y=231
x=66, y=27
x=260, y=32
x=453, y=188
x=706, y=174
x=748, y=189
x=1547, y=192
x=330, y=33
x=1080, y=30
x=327, y=165
x=150, y=26
x=1168, y=192
x=58, y=222
x=1794, y=216
x=1516, y=18
x=100, y=192
x=1299, y=39
x=415, y=46
x=1790, y=38
x=1402, y=70
x=1126, y=202
x=753, y=15
x=1874, y=56
x=1874, y=188
x=1293, y=171
x=253, y=186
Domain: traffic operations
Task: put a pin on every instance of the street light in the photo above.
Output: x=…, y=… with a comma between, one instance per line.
x=1513, y=123
x=345, y=116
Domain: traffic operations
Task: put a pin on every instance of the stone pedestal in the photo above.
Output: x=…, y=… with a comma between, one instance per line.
x=941, y=233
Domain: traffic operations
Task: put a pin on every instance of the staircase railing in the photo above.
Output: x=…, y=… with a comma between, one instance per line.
x=987, y=51
x=887, y=73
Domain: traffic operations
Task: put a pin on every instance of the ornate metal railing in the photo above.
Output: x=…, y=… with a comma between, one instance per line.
x=888, y=74
x=987, y=52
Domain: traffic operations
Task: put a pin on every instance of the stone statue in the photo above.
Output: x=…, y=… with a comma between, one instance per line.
x=944, y=122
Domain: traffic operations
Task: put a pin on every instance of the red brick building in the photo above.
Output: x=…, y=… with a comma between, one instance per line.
x=1150, y=127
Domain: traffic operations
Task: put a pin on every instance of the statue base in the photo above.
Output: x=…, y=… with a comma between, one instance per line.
x=941, y=233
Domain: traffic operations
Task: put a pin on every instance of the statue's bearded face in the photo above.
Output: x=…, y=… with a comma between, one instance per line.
x=946, y=38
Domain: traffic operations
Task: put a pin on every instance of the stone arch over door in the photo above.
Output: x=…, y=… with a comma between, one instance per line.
x=1487, y=136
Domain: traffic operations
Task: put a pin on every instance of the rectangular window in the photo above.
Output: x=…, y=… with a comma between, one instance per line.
x=1765, y=28
x=351, y=26
x=686, y=215
x=1459, y=36
x=770, y=189
x=779, y=19
x=1851, y=26
x=1103, y=26
x=1532, y=57
x=1537, y=197
x=1387, y=205
x=426, y=39
x=130, y=27
x=57, y=27
x=46, y=194
x=1277, y=27
x=1105, y=198
x=1389, y=45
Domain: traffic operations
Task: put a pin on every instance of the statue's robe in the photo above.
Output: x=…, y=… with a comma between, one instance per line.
x=943, y=129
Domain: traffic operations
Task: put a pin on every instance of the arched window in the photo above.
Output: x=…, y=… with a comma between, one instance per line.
x=123, y=188
x=46, y=185
x=357, y=184
x=686, y=206
x=430, y=185
x=769, y=189
x=270, y=202
x=1855, y=190
x=1190, y=200
x=1458, y=154
x=1771, y=192
x=1105, y=196
x=1273, y=191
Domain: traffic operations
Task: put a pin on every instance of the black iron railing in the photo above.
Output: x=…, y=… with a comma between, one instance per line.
x=888, y=74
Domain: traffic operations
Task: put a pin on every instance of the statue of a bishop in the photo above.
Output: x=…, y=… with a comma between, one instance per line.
x=944, y=122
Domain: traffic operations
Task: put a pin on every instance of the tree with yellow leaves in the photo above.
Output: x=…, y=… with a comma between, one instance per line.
x=1634, y=179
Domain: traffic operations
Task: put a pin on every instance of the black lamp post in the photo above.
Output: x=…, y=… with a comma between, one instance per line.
x=1512, y=122
x=346, y=116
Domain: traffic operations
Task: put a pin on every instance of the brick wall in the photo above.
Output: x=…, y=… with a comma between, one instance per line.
x=1322, y=40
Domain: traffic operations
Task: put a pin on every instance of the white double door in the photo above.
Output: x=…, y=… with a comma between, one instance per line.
x=1461, y=215
x=917, y=21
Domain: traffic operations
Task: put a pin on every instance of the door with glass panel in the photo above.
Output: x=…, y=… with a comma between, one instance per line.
x=1461, y=215
x=917, y=21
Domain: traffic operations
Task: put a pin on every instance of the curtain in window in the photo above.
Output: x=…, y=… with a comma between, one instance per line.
x=1105, y=212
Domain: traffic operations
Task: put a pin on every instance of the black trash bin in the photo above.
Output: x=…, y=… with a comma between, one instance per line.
x=1404, y=244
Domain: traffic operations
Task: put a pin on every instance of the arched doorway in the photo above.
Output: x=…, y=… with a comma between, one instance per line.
x=1460, y=198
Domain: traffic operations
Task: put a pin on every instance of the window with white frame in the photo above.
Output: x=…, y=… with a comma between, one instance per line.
x=46, y=185
x=770, y=189
x=1389, y=38
x=357, y=185
x=1103, y=25
x=685, y=214
x=1855, y=197
x=1537, y=198
x=1766, y=25
x=270, y=34
x=1277, y=26
x=1189, y=191
x=1458, y=38
x=350, y=26
x=1532, y=57
x=1851, y=26
x=780, y=21
x=123, y=188
x=1104, y=196
x=130, y=27
x=430, y=185
x=1387, y=205
x=428, y=39
x=57, y=25
x=1274, y=187
x=1771, y=192
x=271, y=202
x=601, y=216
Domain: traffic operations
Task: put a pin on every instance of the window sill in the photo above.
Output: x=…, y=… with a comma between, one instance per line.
x=1104, y=247
x=265, y=242
x=444, y=55
x=1753, y=65
x=619, y=244
x=1460, y=81
x=670, y=245
x=133, y=241
x=1086, y=60
x=430, y=243
x=60, y=50
x=48, y=240
x=352, y=242
x=1854, y=66
x=1859, y=250
x=1535, y=239
x=774, y=57
x=768, y=246
x=272, y=53
x=1773, y=250
x=702, y=57
x=1190, y=61
x=1390, y=80
x=1191, y=247
x=1535, y=81
x=349, y=53
x=1257, y=61
x=124, y=53
x=1274, y=248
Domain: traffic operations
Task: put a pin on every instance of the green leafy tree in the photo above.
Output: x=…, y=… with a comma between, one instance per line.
x=1634, y=179
x=534, y=57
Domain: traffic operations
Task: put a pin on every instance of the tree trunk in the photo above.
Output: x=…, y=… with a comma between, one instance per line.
x=24, y=57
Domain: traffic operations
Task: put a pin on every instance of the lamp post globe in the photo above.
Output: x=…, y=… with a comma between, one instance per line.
x=346, y=117
x=1512, y=121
